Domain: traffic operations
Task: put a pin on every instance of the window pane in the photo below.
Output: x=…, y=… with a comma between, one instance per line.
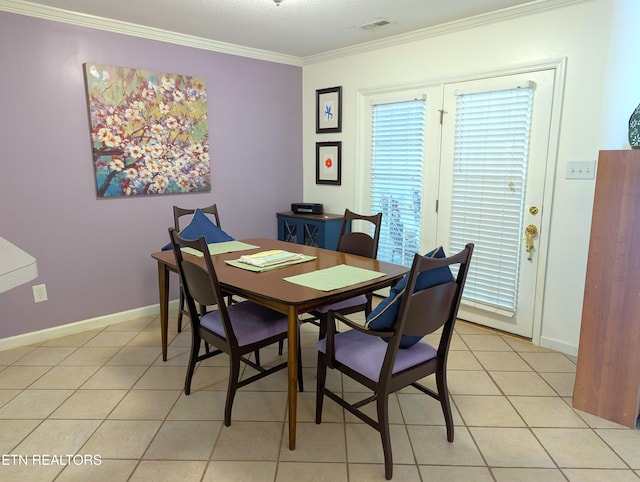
x=396, y=176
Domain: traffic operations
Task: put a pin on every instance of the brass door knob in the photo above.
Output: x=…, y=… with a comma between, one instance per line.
x=530, y=232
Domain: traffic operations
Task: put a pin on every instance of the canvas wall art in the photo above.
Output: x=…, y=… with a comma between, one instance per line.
x=149, y=131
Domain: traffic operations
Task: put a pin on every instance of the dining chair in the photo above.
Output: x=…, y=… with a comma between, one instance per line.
x=350, y=242
x=178, y=214
x=360, y=243
x=237, y=330
x=375, y=358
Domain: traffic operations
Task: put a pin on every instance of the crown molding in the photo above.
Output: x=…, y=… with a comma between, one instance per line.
x=90, y=21
x=23, y=7
x=449, y=27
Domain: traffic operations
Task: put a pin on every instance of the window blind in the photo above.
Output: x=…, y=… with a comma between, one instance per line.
x=397, y=155
x=490, y=166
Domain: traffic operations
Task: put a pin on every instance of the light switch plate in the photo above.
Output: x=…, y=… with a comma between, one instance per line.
x=581, y=170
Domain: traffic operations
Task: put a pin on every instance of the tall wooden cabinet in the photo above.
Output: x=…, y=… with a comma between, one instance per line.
x=608, y=371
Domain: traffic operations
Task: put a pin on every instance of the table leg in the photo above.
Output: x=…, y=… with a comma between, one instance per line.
x=293, y=361
x=163, y=291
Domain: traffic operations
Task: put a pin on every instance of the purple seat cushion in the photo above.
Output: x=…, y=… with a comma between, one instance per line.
x=340, y=305
x=250, y=322
x=365, y=353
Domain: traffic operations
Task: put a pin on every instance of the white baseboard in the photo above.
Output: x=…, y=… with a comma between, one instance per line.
x=559, y=346
x=47, y=334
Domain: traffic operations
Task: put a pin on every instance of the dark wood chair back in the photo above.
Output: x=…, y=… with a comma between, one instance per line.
x=199, y=281
x=360, y=243
x=179, y=212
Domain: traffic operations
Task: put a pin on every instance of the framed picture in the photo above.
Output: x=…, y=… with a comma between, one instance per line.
x=149, y=131
x=328, y=162
x=329, y=110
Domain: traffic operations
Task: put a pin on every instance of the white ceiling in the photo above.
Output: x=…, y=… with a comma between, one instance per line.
x=299, y=28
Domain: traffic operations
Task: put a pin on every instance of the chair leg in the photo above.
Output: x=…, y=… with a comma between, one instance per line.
x=443, y=395
x=195, y=350
x=180, y=310
x=300, y=381
x=257, y=357
x=280, y=347
x=234, y=375
x=322, y=377
x=369, y=308
x=323, y=319
x=385, y=436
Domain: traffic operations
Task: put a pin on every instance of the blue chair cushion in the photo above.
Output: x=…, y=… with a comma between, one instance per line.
x=200, y=226
x=384, y=315
x=365, y=353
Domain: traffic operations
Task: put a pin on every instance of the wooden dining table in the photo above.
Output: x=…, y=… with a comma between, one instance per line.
x=270, y=289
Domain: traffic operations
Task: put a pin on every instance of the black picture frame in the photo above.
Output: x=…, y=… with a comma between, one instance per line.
x=329, y=163
x=329, y=110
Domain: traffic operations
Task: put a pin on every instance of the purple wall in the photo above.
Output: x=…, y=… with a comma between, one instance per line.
x=93, y=254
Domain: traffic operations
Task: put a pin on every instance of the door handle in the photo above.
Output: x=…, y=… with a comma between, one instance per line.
x=530, y=232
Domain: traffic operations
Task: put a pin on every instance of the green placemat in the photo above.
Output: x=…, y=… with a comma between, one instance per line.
x=258, y=269
x=223, y=247
x=333, y=278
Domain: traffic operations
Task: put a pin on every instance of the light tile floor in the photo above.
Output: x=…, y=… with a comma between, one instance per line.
x=107, y=397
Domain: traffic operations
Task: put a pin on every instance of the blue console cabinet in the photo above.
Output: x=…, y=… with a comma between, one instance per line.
x=319, y=230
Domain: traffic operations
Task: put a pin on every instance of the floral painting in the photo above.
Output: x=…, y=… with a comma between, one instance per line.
x=149, y=131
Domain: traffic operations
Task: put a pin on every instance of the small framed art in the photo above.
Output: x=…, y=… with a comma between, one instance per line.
x=328, y=162
x=329, y=110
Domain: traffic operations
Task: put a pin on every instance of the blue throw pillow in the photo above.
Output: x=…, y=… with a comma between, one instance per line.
x=384, y=315
x=200, y=226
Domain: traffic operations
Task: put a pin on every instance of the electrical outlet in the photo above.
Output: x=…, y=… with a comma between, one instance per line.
x=39, y=293
x=581, y=170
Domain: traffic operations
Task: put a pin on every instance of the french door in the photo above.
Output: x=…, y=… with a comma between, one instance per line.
x=494, y=156
x=485, y=156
